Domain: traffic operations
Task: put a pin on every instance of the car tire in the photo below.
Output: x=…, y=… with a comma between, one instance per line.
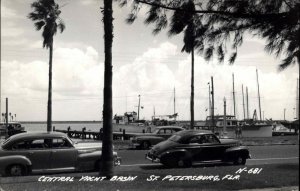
x=239, y=160
x=184, y=163
x=97, y=165
x=16, y=170
x=145, y=145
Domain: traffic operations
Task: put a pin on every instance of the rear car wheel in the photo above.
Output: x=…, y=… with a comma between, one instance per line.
x=16, y=170
x=239, y=160
x=145, y=145
x=97, y=165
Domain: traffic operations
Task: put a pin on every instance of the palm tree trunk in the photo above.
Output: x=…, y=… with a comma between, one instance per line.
x=106, y=166
x=49, y=106
x=192, y=91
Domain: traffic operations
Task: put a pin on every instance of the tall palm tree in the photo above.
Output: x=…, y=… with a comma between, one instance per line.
x=45, y=16
x=184, y=21
x=106, y=165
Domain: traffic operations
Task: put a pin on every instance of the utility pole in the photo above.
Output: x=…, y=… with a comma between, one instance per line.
x=139, y=107
x=233, y=94
x=247, y=102
x=243, y=101
x=212, y=104
x=258, y=96
x=209, y=101
x=284, y=114
x=224, y=118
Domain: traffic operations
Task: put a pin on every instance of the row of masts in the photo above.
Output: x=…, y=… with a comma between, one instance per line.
x=246, y=113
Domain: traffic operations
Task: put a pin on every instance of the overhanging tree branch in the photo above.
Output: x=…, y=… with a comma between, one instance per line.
x=232, y=14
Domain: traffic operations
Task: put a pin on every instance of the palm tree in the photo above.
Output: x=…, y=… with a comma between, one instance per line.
x=45, y=16
x=106, y=165
x=184, y=21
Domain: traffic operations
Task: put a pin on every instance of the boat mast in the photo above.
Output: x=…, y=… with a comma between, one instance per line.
x=247, y=102
x=209, y=101
x=233, y=93
x=213, y=103
x=258, y=95
x=243, y=101
x=174, y=104
x=139, y=107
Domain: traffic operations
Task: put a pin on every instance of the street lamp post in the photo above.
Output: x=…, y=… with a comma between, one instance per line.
x=224, y=120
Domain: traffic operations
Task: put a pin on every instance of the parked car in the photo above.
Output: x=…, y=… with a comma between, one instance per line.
x=160, y=134
x=187, y=146
x=27, y=153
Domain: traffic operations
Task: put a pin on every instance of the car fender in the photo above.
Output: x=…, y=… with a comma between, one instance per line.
x=6, y=161
x=233, y=152
x=88, y=160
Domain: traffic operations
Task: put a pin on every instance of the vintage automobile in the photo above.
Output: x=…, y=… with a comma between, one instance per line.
x=159, y=134
x=44, y=152
x=187, y=146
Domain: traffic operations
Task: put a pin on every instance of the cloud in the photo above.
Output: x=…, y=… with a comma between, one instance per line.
x=8, y=13
x=76, y=73
x=78, y=85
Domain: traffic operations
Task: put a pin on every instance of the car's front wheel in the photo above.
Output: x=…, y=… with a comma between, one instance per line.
x=239, y=160
x=184, y=163
x=16, y=170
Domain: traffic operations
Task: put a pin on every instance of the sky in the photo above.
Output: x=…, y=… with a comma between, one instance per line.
x=143, y=64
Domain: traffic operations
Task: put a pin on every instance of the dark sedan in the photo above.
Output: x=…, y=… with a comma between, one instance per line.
x=187, y=146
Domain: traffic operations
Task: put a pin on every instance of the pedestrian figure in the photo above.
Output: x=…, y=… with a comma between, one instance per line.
x=236, y=131
x=10, y=130
x=69, y=129
x=83, y=133
x=240, y=132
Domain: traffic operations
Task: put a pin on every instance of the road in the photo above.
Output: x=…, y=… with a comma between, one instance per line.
x=270, y=167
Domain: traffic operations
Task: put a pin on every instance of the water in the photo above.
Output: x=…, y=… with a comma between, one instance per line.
x=90, y=126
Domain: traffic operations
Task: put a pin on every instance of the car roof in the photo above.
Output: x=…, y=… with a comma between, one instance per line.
x=32, y=135
x=187, y=133
x=37, y=135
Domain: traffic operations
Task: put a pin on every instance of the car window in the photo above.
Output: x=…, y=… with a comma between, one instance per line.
x=195, y=139
x=200, y=139
x=168, y=131
x=21, y=145
x=175, y=130
x=37, y=144
x=211, y=139
x=61, y=143
x=165, y=131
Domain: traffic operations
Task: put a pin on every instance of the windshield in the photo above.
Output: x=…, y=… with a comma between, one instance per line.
x=156, y=130
x=175, y=138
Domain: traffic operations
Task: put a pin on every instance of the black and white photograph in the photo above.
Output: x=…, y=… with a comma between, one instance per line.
x=124, y=95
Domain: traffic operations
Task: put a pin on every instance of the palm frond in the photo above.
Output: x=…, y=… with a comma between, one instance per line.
x=39, y=25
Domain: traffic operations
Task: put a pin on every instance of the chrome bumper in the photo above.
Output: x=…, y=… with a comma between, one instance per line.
x=117, y=161
x=152, y=159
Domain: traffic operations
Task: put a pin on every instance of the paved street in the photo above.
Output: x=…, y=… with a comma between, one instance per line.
x=270, y=167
